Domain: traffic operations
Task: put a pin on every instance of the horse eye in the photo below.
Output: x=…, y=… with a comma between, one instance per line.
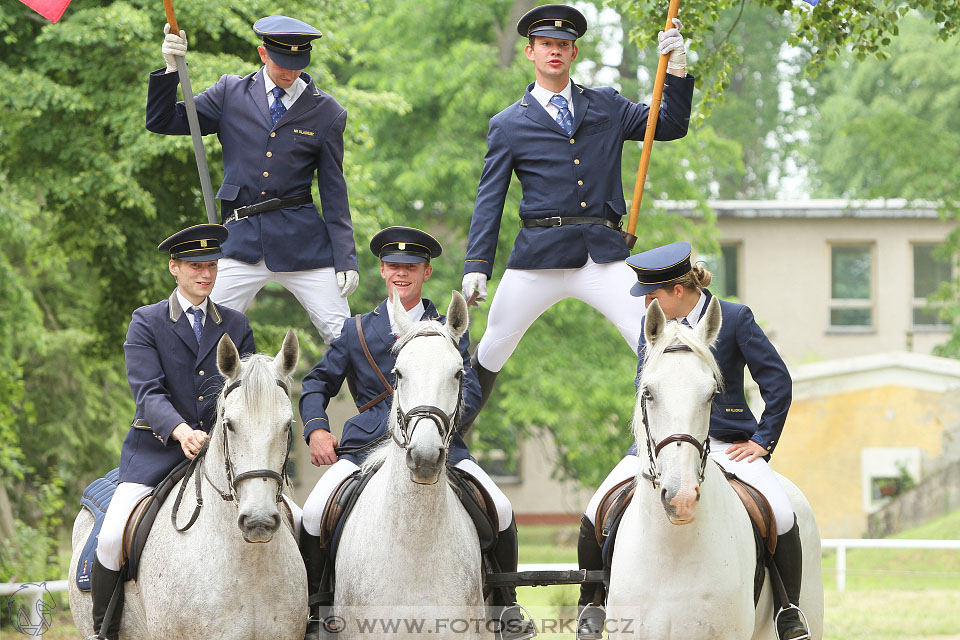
x=459, y=375
x=647, y=394
x=228, y=424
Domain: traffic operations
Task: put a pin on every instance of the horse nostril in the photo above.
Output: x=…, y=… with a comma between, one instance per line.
x=698, y=494
x=663, y=494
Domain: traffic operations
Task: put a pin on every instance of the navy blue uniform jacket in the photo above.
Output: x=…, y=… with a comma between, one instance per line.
x=743, y=343
x=261, y=161
x=345, y=358
x=565, y=175
x=173, y=380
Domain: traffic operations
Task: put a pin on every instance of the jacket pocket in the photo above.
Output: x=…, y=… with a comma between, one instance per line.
x=594, y=128
x=228, y=192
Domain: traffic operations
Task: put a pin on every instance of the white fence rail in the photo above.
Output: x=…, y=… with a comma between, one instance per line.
x=35, y=592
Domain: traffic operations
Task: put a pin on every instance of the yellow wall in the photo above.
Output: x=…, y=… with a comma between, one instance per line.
x=822, y=441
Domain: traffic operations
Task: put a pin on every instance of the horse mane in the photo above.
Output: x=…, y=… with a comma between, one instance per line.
x=424, y=327
x=259, y=377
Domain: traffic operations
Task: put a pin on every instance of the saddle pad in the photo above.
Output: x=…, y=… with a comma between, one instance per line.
x=138, y=524
x=96, y=499
x=611, y=507
x=479, y=505
x=339, y=506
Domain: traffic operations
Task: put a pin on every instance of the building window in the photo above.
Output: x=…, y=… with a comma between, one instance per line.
x=725, y=268
x=851, y=286
x=887, y=472
x=930, y=270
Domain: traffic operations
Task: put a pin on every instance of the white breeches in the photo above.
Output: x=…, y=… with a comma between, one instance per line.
x=124, y=499
x=758, y=473
x=332, y=477
x=524, y=294
x=316, y=289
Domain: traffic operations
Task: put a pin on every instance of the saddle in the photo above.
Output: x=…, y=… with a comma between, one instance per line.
x=614, y=504
x=475, y=499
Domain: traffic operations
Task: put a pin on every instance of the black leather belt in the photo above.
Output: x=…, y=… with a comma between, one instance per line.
x=269, y=205
x=558, y=221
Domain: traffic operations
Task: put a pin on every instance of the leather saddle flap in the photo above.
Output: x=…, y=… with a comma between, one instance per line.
x=758, y=509
x=612, y=506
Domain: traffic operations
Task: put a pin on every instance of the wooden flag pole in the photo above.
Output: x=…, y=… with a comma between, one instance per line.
x=205, y=186
x=652, y=117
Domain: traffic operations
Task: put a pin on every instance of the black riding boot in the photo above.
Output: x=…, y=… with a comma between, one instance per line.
x=487, y=380
x=103, y=583
x=590, y=611
x=789, y=560
x=512, y=625
x=315, y=561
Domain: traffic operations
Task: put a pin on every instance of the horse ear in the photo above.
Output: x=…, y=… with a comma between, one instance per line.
x=654, y=323
x=228, y=358
x=457, y=317
x=286, y=360
x=400, y=316
x=709, y=327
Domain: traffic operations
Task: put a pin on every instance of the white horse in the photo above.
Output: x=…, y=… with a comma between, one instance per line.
x=213, y=580
x=409, y=553
x=683, y=566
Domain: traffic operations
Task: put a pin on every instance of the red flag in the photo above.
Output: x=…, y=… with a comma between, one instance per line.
x=49, y=9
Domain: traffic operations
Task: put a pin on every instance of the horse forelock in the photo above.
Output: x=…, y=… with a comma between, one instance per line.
x=424, y=327
x=258, y=379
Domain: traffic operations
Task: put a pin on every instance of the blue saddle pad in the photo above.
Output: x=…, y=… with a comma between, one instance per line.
x=96, y=498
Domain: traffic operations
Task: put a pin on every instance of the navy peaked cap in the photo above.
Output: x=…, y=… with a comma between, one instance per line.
x=405, y=245
x=658, y=267
x=199, y=243
x=553, y=21
x=287, y=40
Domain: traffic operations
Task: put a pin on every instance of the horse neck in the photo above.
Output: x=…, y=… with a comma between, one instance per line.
x=414, y=507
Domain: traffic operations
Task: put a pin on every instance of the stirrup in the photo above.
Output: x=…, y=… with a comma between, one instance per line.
x=803, y=621
x=594, y=635
x=531, y=630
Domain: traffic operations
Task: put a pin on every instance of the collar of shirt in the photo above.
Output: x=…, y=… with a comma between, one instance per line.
x=543, y=96
x=186, y=304
x=416, y=315
x=694, y=314
x=290, y=96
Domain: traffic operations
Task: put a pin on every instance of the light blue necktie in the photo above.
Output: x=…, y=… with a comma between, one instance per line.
x=197, y=322
x=277, y=109
x=563, y=113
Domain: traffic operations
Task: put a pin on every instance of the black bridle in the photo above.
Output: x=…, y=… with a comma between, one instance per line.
x=447, y=424
x=233, y=478
x=653, y=450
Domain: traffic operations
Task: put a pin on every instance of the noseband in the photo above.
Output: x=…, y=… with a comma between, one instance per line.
x=653, y=450
x=446, y=423
x=233, y=478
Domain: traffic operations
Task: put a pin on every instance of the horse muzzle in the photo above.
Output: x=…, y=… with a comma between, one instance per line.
x=425, y=464
x=680, y=505
x=258, y=527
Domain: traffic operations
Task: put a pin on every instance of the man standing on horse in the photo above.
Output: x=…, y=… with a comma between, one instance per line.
x=564, y=142
x=172, y=370
x=364, y=355
x=278, y=131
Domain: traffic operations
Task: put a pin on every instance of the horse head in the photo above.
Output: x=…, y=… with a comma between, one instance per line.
x=255, y=433
x=429, y=379
x=679, y=379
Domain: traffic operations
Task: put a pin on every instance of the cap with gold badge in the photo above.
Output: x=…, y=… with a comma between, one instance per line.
x=199, y=243
x=658, y=267
x=287, y=40
x=404, y=245
x=553, y=21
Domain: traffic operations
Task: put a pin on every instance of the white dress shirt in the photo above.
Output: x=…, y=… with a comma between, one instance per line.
x=291, y=94
x=694, y=314
x=186, y=304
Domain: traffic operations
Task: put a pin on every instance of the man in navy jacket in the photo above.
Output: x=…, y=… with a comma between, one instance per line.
x=172, y=370
x=405, y=254
x=564, y=142
x=277, y=130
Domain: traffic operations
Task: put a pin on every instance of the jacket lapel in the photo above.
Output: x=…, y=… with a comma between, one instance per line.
x=212, y=331
x=706, y=303
x=259, y=95
x=305, y=102
x=381, y=325
x=181, y=324
x=580, y=106
x=535, y=111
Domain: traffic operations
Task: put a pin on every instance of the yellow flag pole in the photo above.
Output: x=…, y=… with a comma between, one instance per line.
x=652, y=117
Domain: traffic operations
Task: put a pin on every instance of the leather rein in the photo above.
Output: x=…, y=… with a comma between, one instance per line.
x=653, y=450
x=233, y=478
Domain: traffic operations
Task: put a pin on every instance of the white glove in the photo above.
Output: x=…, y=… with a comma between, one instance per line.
x=173, y=45
x=475, y=283
x=347, y=281
x=672, y=42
